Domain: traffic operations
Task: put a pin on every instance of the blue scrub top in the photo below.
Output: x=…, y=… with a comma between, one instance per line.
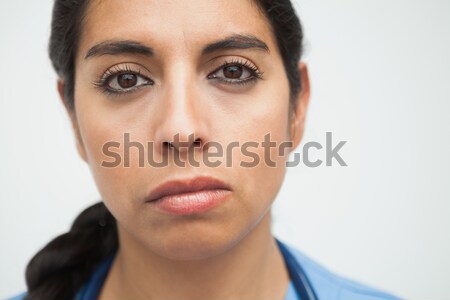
x=327, y=285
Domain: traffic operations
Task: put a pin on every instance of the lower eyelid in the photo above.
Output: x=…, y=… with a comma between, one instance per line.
x=112, y=92
x=246, y=81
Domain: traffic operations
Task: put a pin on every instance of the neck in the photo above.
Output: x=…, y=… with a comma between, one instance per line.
x=252, y=269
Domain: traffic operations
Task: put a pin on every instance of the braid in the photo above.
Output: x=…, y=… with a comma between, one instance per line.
x=59, y=270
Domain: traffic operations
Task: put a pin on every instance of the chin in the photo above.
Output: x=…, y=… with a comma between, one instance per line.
x=191, y=244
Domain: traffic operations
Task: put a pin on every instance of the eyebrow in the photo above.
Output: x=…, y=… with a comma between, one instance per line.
x=119, y=47
x=235, y=41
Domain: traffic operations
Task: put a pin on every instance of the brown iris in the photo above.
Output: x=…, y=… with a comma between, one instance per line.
x=233, y=72
x=127, y=80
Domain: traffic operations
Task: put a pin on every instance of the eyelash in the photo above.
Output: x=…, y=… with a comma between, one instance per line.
x=255, y=73
x=106, y=78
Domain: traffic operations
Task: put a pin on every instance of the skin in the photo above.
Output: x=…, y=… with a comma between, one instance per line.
x=225, y=253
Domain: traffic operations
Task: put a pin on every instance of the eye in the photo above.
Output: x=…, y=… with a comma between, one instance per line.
x=233, y=72
x=236, y=72
x=121, y=80
x=126, y=81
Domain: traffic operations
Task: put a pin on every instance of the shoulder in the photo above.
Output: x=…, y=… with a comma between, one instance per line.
x=328, y=285
x=20, y=296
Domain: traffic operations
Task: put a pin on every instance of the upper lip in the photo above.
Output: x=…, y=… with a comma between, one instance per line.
x=191, y=185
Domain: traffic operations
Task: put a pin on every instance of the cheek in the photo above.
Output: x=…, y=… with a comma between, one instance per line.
x=99, y=126
x=265, y=122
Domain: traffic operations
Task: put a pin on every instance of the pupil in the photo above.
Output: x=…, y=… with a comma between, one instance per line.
x=233, y=72
x=127, y=80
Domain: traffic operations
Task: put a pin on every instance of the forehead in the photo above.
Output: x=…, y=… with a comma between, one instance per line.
x=166, y=24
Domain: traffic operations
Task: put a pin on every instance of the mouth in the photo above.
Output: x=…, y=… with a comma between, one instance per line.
x=191, y=196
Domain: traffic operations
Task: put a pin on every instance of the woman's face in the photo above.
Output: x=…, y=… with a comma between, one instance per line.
x=182, y=87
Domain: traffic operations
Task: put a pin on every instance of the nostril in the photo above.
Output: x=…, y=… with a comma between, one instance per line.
x=181, y=146
x=167, y=145
x=197, y=143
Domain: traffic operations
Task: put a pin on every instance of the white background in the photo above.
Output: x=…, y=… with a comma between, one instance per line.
x=380, y=74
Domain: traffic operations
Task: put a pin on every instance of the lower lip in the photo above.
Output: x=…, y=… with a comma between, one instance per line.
x=191, y=203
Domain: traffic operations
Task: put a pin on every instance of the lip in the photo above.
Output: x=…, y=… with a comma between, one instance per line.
x=190, y=196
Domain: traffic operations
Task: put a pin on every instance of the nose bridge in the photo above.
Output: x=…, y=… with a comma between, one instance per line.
x=180, y=123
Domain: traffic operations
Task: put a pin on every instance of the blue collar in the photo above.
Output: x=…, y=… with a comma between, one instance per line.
x=91, y=290
x=298, y=277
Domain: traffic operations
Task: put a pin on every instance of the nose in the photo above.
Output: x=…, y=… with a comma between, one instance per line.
x=182, y=123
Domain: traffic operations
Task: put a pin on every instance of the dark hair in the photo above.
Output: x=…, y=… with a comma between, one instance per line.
x=60, y=269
